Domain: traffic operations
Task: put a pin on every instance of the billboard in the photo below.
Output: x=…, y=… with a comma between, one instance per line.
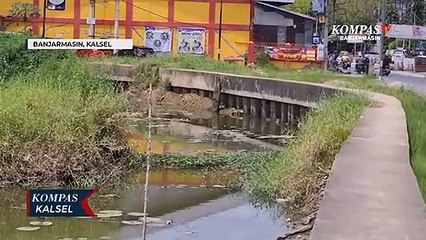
x=405, y=31
x=191, y=40
x=159, y=39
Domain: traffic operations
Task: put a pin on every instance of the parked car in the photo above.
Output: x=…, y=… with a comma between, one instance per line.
x=398, y=56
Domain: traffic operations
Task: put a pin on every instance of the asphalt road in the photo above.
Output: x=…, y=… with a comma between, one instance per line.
x=410, y=80
x=413, y=82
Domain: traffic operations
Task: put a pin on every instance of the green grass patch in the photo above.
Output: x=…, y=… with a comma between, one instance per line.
x=236, y=160
x=54, y=118
x=298, y=173
x=208, y=64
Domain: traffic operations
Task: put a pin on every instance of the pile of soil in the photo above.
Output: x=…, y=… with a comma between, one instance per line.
x=190, y=105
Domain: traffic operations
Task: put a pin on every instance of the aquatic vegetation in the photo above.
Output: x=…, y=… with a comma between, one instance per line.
x=234, y=160
x=41, y=223
x=27, y=229
x=132, y=222
x=136, y=214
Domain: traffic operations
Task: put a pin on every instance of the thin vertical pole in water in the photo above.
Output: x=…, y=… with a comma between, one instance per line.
x=148, y=158
x=116, y=22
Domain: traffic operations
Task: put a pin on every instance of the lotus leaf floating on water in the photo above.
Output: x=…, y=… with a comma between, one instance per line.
x=27, y=228
x=38, y=223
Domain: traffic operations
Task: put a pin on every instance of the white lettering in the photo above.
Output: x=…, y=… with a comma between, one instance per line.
x=38, y=208
x=363, y=29
x=44, y=198
x=74, y=198
x=35, y=198
x=354, y=29
x=344, y=30
x=335, y=30
x=377, y=29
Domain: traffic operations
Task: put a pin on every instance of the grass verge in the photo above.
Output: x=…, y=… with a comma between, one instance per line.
x=55, y=121
x=208, y=64
x=298, y=174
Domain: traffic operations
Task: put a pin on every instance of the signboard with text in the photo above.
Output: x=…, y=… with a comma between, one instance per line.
x=59, y=203
x=56, y=5
x=405, y=31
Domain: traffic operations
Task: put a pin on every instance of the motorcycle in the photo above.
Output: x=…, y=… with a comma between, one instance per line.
x=346, y=64
x=361, y=65
x=386, y=71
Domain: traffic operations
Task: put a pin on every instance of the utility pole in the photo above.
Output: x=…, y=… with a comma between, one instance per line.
x=382, y=36
x=116, y=22
x=219, y=47
x=326, y=35
x=92, y=19
x=44, y=18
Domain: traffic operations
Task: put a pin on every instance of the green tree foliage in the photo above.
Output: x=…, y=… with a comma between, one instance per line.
x=24, y=11
x=353, y=11
x=301, y=6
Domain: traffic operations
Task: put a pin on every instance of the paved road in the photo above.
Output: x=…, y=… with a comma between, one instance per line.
x=410, y=80
x=417, y=83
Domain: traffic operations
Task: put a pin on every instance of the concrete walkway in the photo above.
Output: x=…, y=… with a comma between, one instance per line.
x=372, y=193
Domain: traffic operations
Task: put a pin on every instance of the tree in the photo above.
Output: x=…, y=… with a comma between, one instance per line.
x=24, y=11
x=301, y=6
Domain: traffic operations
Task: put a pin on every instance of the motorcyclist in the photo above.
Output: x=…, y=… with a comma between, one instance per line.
x=346, y=58
x=346, y=61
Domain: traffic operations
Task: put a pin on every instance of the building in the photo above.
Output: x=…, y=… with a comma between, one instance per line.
x=274, y=24
x=138, y=16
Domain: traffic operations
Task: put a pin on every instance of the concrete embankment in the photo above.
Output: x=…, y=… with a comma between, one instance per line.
x=372, y=192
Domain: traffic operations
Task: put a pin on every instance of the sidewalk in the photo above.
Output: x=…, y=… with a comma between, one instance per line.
x=372, y=193
x=410, y=73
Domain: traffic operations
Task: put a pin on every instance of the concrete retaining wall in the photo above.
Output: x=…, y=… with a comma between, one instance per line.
x=291, y=92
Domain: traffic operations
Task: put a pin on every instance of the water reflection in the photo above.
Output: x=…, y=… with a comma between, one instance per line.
x=190, y=198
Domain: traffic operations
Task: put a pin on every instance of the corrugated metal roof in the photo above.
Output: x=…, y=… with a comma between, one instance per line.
x=287, y=11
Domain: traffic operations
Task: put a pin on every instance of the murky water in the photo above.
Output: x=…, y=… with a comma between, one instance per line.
x=197, y=201
x=199, y=205
x=174, y=134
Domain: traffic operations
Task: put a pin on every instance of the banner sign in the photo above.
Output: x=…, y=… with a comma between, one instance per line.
x=56, y=5
x=191, y=40
x=291, y=53
x=357, y=32
x=160, y=40
x=59, y=203
x=405, y=31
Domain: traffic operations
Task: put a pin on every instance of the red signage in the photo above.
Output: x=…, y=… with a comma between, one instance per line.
x=291, y=53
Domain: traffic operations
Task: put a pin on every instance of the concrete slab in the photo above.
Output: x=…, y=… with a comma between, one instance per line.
x=372, y=193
